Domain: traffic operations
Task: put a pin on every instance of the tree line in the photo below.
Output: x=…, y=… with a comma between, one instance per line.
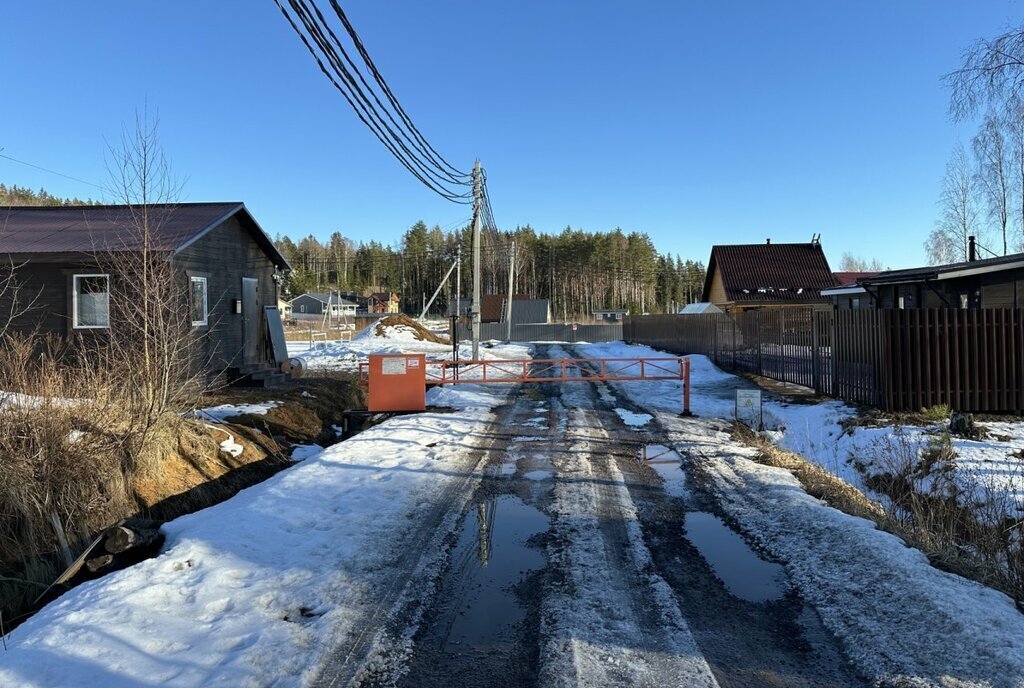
x=22, y=195
x=576, y=270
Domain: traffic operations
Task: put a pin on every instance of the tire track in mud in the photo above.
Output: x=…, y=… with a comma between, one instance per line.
x=778, y=642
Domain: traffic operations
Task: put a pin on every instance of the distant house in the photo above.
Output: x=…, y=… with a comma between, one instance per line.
x=701, y=308
x=383, y=302
x=744, y=277
x=848, y=295
x=610, y=315
x=524, y=309
x=315, y=306
x=226, y=262
x=988, y=283
x=459, y=307
x=285, y=308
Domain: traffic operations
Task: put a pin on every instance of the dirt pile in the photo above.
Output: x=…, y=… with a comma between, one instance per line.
x=392, y=324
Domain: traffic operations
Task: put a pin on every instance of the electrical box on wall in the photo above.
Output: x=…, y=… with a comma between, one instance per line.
x=398, y=382
x=236, y=306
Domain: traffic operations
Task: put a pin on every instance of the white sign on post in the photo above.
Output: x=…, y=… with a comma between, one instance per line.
x=748, y=408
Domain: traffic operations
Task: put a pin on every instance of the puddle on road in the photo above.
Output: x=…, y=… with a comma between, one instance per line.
x=746, y=575
x=490, y=557
x=478, y=628
x=668, y=464
x=538, y=475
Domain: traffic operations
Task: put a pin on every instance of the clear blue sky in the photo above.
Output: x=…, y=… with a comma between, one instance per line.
x=697, y=122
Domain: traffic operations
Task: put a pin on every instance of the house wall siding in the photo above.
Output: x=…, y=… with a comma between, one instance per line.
x=224, y=256
x=716, y=294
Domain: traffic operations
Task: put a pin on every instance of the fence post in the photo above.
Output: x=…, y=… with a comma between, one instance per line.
x=757, y=331
x=735, y=325
x=782, y=342
x=714, y=339
x=815, y=361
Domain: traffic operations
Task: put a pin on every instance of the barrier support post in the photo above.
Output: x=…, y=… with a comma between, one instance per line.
x=684, y=375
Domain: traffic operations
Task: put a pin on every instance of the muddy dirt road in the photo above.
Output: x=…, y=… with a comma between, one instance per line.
x=574, y=561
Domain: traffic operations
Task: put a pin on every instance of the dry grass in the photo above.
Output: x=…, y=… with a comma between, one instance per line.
x=816, y=481
x=964, y=525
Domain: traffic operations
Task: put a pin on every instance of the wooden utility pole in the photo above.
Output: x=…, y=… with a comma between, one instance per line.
x=511, y=286
x=477, y=208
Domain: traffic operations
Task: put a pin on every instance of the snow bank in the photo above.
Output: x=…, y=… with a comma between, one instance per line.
x=251, y=591
x=989, y=468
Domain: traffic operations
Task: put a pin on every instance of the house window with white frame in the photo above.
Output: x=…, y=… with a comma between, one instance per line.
x=90, y=301
x=198, y=301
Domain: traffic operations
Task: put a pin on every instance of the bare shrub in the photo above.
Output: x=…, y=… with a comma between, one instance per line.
x=965, y=522
x=151, y=342
x=62, y=455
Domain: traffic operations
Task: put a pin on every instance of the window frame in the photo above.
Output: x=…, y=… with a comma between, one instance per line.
x=192, y=279
x=74, y=300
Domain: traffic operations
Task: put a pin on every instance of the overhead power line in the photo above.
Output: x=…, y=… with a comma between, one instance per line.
x=44, y=169
x=388, y=121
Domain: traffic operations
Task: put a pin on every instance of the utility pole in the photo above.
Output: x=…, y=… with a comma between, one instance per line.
x=458, y=279
x=475, y=308
x=511, y=285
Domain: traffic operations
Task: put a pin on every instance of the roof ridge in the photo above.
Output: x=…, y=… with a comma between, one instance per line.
x=101, y=206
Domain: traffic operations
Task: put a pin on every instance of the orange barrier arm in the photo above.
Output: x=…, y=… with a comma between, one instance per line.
x=445, y=372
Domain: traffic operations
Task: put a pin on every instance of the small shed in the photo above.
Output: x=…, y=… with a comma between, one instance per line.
x=700, y=308
x=524, y=309
x=610, y=315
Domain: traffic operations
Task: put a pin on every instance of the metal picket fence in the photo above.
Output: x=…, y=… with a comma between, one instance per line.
x=898, y=360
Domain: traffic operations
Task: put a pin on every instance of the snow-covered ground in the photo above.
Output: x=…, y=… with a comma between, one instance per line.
x=984, y=469
x=347, y=355
x=253, y=591
x=218, y=414
x=900, y=620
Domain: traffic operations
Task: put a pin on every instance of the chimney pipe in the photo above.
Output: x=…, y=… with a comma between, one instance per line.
x=768, y=241
x=972, y=251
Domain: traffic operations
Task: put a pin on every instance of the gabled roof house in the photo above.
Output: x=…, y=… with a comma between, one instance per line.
x=227, y=265
x=751, y=276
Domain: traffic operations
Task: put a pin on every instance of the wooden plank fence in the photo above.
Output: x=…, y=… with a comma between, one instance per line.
x=897, y=360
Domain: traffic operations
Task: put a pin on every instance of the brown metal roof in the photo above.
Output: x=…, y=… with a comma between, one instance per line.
x=850, y=278
x=493, y=305
x=98, y=228
x=770, y=272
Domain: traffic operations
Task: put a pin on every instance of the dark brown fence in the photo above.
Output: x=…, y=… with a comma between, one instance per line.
x=898, y=360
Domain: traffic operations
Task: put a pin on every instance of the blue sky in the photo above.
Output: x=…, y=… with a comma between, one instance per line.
x=697, y=122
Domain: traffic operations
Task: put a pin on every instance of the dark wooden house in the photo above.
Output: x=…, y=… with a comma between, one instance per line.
x=228, y=264
x=972, y=284
x=743, y=277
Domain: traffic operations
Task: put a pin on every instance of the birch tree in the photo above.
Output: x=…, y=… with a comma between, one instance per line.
x=991, y=149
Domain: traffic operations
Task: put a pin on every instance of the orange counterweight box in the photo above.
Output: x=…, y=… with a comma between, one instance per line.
x=398, y=382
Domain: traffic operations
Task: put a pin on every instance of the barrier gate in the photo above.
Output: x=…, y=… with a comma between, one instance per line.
x=398, y=382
